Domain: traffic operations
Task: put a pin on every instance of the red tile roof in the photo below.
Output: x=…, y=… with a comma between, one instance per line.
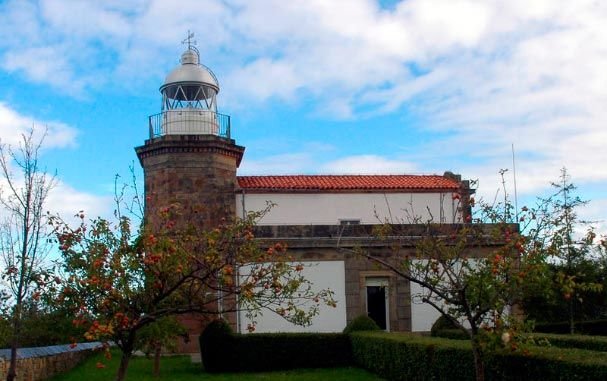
x=341, y=183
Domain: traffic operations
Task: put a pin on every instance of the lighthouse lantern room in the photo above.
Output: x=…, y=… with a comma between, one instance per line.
x=189, y=100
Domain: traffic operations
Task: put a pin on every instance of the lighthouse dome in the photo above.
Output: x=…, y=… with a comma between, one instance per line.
x=189, y=75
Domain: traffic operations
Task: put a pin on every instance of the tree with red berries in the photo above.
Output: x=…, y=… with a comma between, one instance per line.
x=23, y=236
x=473, y=273
x=120, y=279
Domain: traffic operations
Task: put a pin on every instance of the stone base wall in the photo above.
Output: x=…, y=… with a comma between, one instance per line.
x=357, y=271
x=44, y=367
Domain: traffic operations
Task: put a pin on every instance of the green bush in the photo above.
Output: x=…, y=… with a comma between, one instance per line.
x=408, y=357
x=223, y=351
x=442, y=323
x=216, y=342
x=41, y=329
x=361, y=323
x=454, y=334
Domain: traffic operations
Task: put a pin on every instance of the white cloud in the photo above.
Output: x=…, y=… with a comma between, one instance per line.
x=283, y=164
x=97, y=20
x=594, y=212
x=63, y=198
x=13, y=125
x=367, y=164
x=442, y=25
x=46, y=65
x=484, y=74
x=309, y=161
x=66, y=201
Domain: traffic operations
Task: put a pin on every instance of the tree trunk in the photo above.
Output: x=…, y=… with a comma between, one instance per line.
x=479, y=366
x=12, y=369
x=571, y=317
x=124, y=363
x=157, y=350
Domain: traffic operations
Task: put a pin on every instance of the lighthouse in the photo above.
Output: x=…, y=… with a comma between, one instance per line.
x=190, y=157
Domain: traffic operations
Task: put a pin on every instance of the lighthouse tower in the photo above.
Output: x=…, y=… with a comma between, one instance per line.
x=190, y=157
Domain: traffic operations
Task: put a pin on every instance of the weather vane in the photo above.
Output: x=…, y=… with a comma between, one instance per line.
x=189, y=40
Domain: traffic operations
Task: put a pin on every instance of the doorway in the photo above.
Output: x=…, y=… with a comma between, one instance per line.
x=377, y=301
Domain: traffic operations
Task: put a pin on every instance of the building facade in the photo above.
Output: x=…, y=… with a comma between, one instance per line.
x=191, y=158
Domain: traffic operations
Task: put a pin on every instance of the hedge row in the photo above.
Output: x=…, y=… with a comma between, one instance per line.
x=408, y=357
x=225, y=351
x=590, y=327
x=405, y=357
x=399, y=356
x=592, y=343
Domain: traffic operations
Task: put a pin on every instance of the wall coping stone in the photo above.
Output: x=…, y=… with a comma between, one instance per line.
x=24, y=353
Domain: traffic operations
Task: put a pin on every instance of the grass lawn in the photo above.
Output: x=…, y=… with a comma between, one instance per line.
x=180, y=368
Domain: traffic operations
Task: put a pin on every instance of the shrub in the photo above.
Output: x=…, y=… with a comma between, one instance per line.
x=441, y=323
x=408, y=357
x=215, y=346
x=453, y=334
x=361, y=323
x=40, y=329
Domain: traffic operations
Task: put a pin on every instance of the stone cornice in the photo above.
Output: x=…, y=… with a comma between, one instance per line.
x=403, y=235
x=170, y=144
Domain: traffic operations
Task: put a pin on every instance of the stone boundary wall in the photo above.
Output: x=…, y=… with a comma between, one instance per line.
x=41, y=363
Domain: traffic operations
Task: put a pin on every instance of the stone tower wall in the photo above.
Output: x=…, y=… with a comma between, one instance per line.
x=199, y=173
x=196, y=171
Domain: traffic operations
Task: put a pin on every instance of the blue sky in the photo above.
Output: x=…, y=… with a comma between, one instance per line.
x=352, y=86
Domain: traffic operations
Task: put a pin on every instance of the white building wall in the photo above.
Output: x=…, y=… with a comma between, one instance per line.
x=322, y=275
x=423, y=315
x=330, y=208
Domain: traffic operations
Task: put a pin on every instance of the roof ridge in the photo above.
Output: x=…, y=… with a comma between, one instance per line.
x=347, y=182
x=350, y=175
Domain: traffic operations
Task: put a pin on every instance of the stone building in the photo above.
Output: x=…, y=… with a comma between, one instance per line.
x=192, y=158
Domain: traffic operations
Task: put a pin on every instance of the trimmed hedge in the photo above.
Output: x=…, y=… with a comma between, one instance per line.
x=591, y=343
x=589, y=327
x=223, y=351
x=408, y=357
x=400, y=356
